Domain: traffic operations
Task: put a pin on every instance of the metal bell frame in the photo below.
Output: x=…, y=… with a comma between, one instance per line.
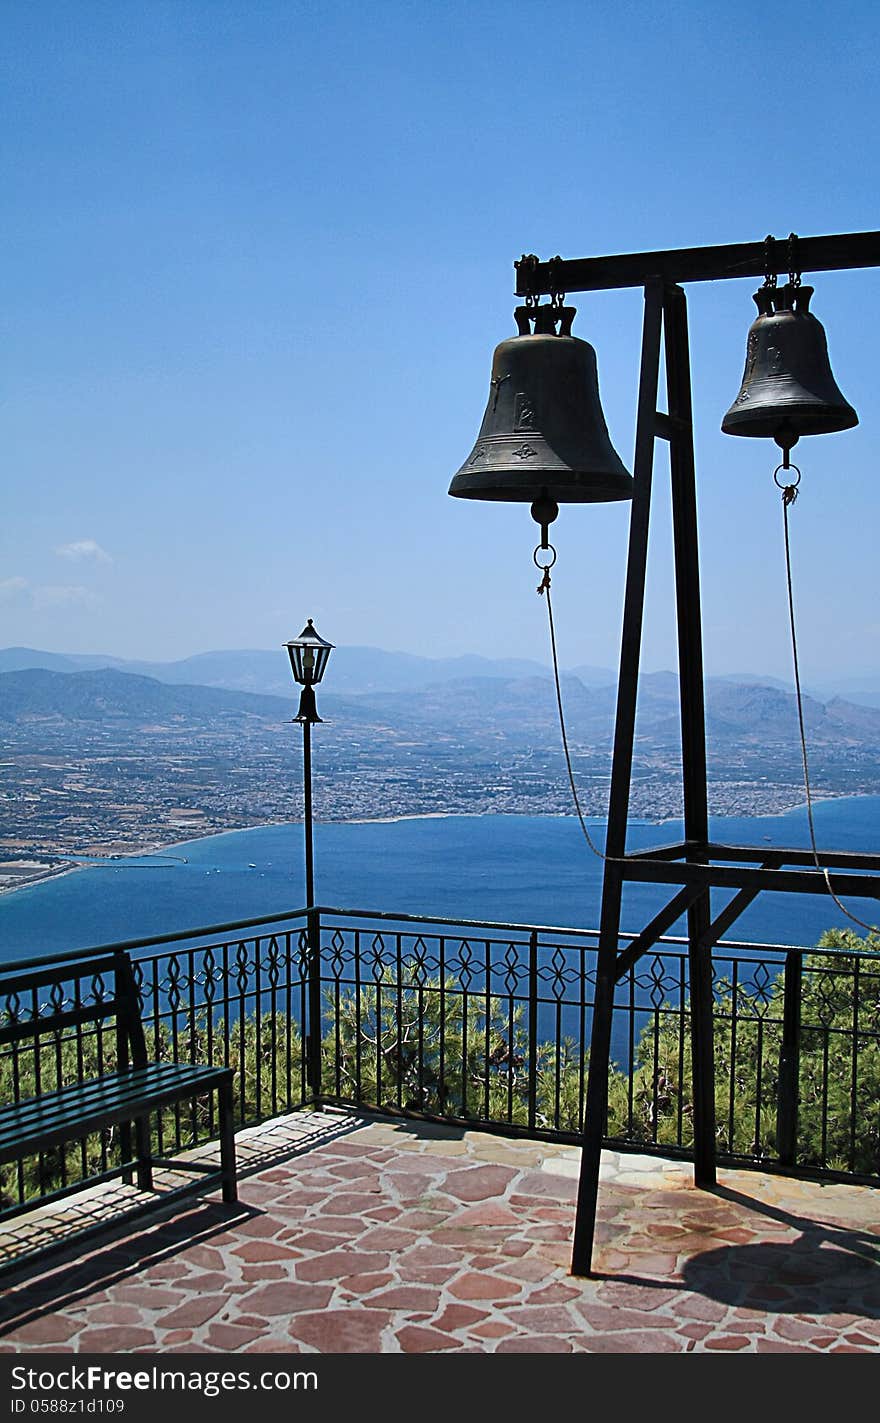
x=696, y=865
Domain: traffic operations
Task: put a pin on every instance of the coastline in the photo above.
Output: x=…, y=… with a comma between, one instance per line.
x=49, y=869
x=41, y=876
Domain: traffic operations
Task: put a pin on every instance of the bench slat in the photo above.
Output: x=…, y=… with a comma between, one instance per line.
x=120, y=1098
x=41, y=1032
x=82, y=1108
x=78, y=1097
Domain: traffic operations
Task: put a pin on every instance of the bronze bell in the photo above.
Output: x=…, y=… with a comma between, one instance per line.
x=788, y=389
x=543, y=435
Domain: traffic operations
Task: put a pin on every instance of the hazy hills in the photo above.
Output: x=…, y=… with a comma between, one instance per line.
x=742, y=717
x=105, y=760
x=358, y=671
x=106, y=693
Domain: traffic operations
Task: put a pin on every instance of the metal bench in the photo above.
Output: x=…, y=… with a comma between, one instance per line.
x=42, y=1011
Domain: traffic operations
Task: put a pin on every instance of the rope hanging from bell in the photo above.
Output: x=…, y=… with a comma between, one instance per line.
x=788, y=390
x=544, y=511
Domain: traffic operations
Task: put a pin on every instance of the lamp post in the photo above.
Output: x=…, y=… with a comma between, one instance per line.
x=309, y=655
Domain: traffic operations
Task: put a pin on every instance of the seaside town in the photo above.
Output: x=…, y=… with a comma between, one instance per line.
x=95, y=792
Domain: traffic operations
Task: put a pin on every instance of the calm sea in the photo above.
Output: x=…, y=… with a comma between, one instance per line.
x=507, y=868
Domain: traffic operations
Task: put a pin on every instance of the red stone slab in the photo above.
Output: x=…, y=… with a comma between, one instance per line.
x=353, y=1330
x=340, y=1264
x=479, y=1183
x=255, y=1251
x=481, y=1286
x=195, y=1311
x=114, y=1339
x=533, y=1344
x=366, y=1284
x=406, y=1297
x=459, y=1316
x=416, y=1339
x=653, y=1342
x=286, y=1297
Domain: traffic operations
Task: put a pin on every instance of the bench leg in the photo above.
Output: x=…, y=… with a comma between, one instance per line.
x=145, y=1166
x=125, y=1149
x=227, y=1142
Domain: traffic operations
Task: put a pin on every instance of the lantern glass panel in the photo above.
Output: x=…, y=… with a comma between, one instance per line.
x=309, y=654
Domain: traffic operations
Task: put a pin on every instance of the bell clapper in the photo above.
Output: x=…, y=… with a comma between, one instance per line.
x=544, y=585
x=786, y=439
x=544, y=511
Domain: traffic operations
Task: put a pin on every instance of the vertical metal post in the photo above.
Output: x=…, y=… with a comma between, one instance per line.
x=533, y=1027
x=789, y=1062
x=307, y=812
x=693, y=720
x=313, y=1038
x=596, y=1106
x=313, y=926
x=227, y=1141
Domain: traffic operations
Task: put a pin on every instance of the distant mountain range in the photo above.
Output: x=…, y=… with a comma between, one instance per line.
x=359, y=671
x=746, y=716
x=355, y=670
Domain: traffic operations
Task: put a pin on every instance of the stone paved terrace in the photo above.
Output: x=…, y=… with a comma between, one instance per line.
x=376, y=1236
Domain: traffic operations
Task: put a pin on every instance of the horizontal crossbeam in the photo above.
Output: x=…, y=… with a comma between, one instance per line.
x=831, y=859
x=860, y=886
x=834, y=253
x=678, y=851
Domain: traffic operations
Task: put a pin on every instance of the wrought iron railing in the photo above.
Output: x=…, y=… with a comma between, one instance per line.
x=482, y=1024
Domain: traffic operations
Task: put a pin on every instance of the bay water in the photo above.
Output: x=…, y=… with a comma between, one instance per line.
x=501, y=868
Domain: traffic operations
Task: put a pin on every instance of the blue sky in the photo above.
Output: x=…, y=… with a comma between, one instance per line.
x=257, y=256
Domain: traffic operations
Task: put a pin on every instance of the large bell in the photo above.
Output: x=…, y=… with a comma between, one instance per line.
x=788, y=389
x=543, y=435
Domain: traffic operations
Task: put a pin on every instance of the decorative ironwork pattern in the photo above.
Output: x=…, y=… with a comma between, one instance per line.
x=490, y=1025
x=483, y=1024
x=238, y=1002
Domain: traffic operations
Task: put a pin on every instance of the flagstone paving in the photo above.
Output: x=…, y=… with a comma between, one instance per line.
x=365, y=1236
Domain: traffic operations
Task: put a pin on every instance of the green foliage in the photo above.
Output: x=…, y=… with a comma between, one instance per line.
x=419, y=1048
x=427, y=1047
x=840, y=1055
x=839, y=1082
x=266, y=1055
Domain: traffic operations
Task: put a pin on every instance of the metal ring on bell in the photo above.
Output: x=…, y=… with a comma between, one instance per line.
x=789, y=483
x=550, y=562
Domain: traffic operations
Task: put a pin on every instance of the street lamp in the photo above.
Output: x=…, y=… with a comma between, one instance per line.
x=309, y=655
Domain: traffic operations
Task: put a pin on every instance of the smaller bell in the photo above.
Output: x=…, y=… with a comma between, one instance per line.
x=788, y=389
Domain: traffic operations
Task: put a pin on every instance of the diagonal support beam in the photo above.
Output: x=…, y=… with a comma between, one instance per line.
x=678, y=905
x=737, y=906
x=693, y=718
x=596, y=1103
